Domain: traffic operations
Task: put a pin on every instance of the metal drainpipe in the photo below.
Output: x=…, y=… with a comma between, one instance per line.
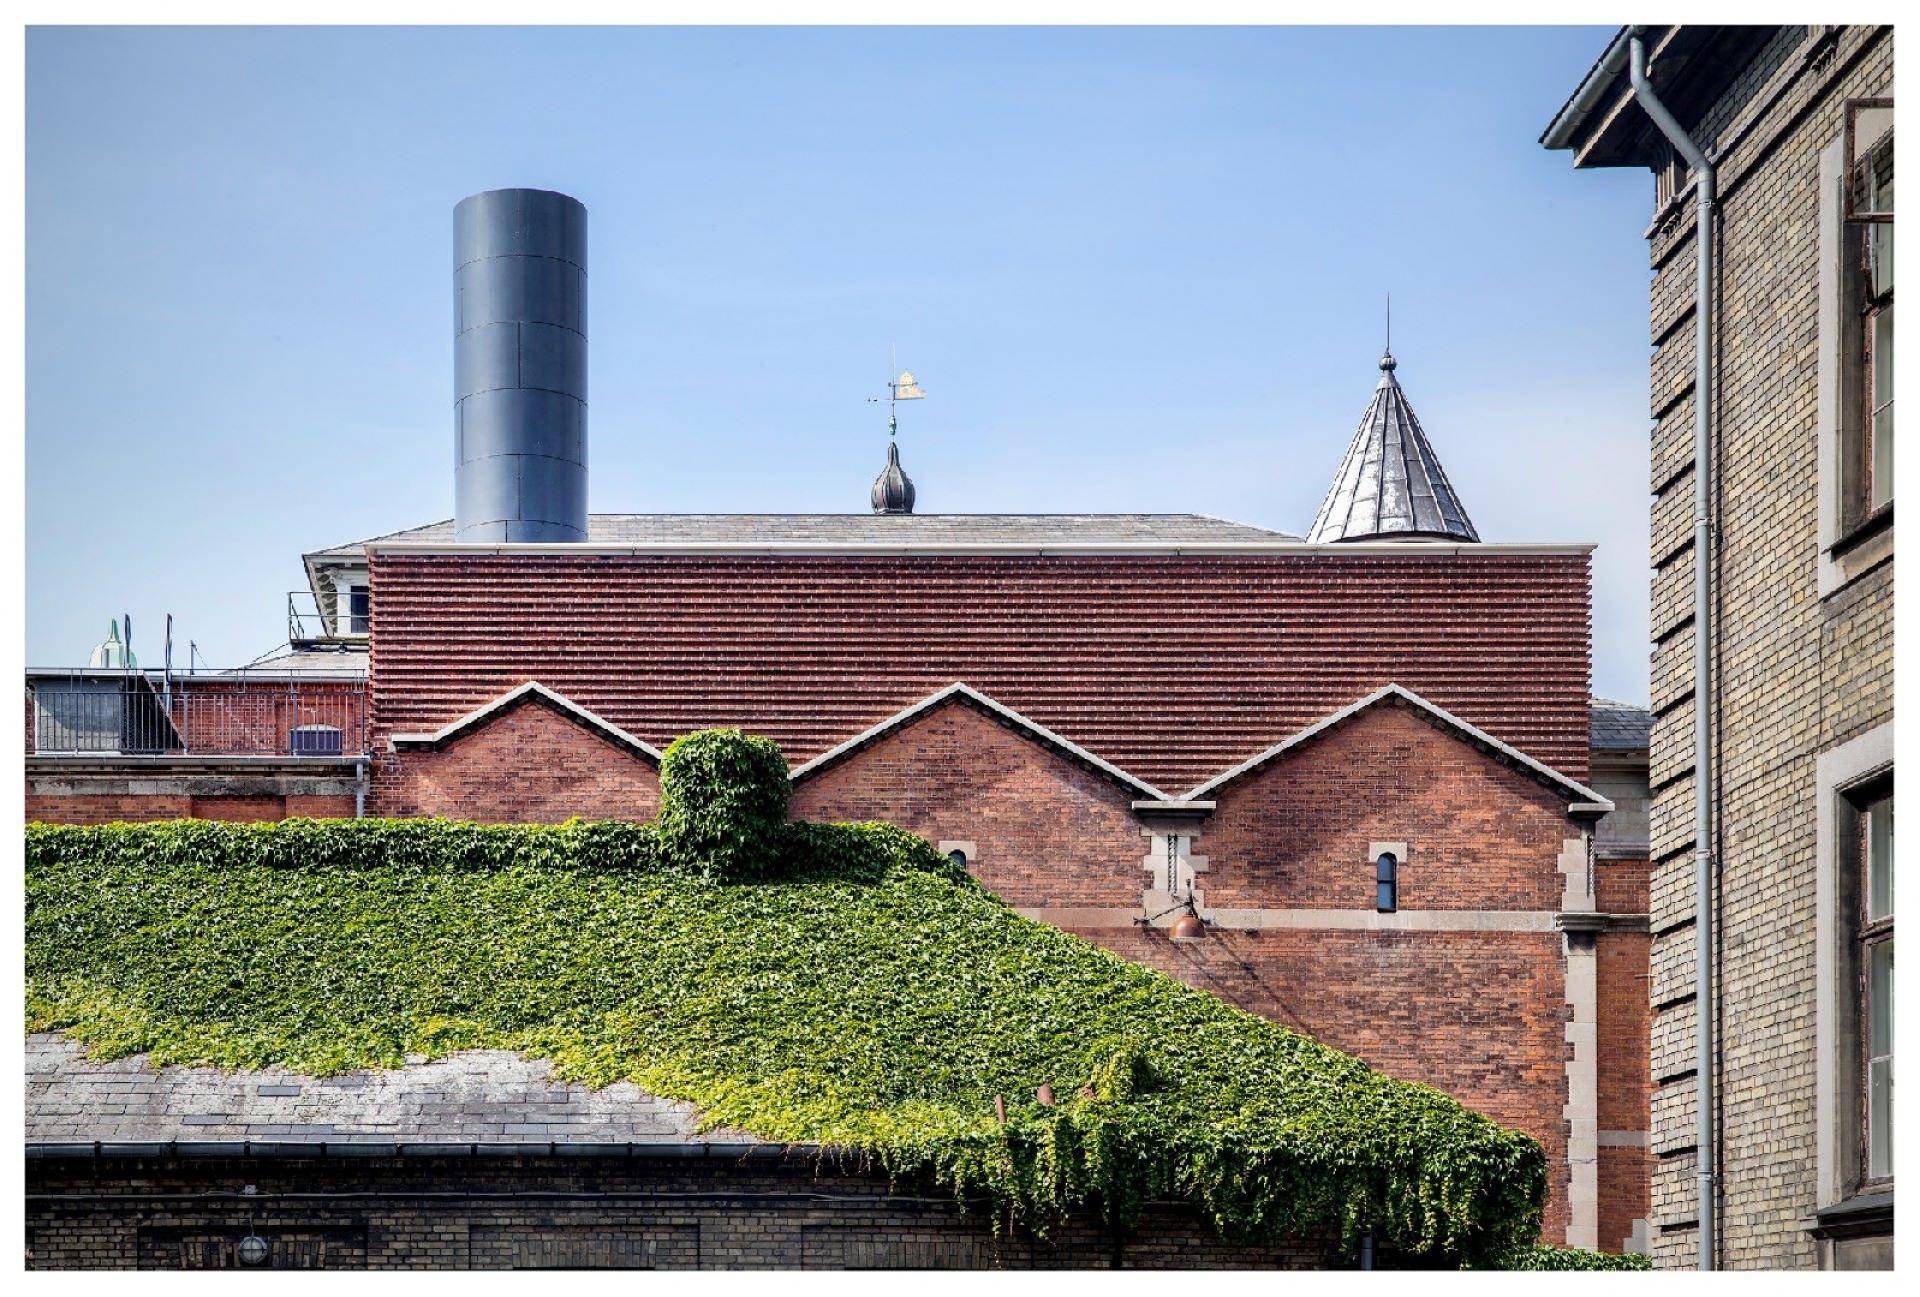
x=360, y=789
x=1703, y=183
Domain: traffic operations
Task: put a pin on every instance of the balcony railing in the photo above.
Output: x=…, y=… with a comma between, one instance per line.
x=343, y=619
x=135, y=713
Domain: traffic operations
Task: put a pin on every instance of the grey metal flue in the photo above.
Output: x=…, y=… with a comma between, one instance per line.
x=520, y=367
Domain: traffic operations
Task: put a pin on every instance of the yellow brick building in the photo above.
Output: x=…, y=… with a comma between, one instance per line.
x=1796, y=127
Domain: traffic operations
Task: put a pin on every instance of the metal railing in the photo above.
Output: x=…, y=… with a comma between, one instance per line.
x=310, y=623
x=135, y=713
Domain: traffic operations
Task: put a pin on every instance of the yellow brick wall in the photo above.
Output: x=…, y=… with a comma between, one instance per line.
x=1796, y=674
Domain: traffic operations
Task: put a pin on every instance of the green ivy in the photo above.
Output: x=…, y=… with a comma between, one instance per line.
x=1573, y=1258
x=723, y=805
x=862, y=993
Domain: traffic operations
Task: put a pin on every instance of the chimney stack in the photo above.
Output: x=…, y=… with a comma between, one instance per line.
x=520, y=367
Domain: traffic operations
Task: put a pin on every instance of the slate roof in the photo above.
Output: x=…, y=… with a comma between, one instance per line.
x=1390, y=484
x=856, y=528
x=306, y=662
x=1621, y=727
x=474, y=1097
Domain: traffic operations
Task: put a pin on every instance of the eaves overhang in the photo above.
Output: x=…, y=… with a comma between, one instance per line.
x=1690, y=65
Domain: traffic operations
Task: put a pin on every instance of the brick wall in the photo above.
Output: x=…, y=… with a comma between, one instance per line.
x=567, y=1212
x=1626, y=1087
x=1296, y=832
x=1171, y=667
x=105, y=808
x=528, y=764
x=1046, y=830
x=1796, y=672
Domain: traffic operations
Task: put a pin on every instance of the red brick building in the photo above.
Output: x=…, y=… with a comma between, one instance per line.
x=1104, y=716
x=1367, y=762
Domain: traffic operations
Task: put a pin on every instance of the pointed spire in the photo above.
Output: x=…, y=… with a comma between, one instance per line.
x=1390, y=485
x=893, y=489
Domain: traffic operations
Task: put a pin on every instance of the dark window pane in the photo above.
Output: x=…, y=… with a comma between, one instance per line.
x=1880, y=1059
x=1880, y=859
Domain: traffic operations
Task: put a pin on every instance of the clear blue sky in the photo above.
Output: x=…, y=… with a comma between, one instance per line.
x=1135, y=269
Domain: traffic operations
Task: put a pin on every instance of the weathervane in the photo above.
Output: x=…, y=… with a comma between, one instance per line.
x=893, y=489
x=905, y=387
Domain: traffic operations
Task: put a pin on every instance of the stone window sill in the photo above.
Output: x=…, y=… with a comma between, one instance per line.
x=1861, y=549
x=1861, y=1216
x=1866, y=529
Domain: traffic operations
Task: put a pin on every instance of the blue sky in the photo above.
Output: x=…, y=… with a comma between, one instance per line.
x=1136, y=270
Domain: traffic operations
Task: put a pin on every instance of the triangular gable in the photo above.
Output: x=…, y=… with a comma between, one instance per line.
x=531, y=692
x=972, y=697
x=1582, y=797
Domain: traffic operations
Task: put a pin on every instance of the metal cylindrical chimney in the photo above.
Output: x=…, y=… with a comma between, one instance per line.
x=520, y=367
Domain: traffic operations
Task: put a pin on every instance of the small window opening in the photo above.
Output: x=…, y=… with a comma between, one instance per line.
x=1386, y=883
x=357, y=607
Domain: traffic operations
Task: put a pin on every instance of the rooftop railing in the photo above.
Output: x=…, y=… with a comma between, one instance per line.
x=136, y=713
x=343, y=619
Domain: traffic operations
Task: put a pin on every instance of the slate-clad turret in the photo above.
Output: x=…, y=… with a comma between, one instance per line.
x=1390, y=485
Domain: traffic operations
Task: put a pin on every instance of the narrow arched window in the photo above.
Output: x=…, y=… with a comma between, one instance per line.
x=1386, y=883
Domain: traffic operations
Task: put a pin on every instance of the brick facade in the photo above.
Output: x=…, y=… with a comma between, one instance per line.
x=529, y=764
x=129, y=800
x=1796, y=673
x=567, y=1212
x=1802, y=655
x=1471, y=985
x=227, y=754
x=1045, y=831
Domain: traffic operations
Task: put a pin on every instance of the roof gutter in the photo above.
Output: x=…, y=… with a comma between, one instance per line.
x=1418, y=548
x=1559, y=133
x=1702, y=624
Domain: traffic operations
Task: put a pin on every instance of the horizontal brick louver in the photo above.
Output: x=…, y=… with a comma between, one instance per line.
x=1172, y=667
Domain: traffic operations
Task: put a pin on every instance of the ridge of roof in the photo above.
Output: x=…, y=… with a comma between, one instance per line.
x=618, y=528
